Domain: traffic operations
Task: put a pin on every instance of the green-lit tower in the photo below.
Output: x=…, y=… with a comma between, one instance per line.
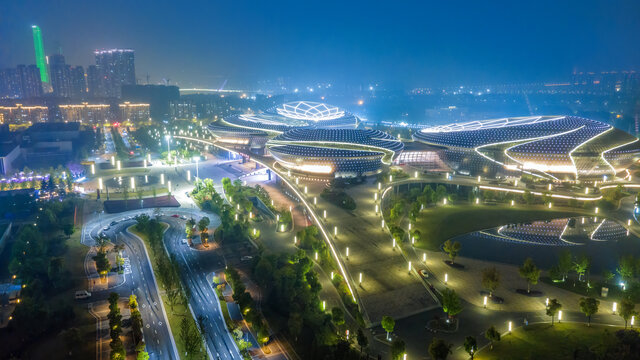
x=40, y=60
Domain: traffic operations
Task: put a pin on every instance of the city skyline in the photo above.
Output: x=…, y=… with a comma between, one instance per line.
x=419, y=44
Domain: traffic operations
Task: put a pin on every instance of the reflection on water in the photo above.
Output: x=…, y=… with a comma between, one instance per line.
x=603, y=240
x=559, y=232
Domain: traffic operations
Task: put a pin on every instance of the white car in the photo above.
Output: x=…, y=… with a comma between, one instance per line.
x=82, y=294
x=184, y=241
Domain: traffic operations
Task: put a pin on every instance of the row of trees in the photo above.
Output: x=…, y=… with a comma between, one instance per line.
x=136, y=328
x=38, y=263
x=115, y=328
x=291, y=291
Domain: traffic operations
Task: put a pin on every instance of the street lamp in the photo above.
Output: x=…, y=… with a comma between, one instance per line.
x=197, y=159
x=168, y=138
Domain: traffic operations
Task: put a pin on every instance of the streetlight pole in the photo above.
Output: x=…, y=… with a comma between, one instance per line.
x=197, y=158
x=168, y=138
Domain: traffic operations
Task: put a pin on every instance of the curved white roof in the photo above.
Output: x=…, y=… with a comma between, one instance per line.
x=306, y=110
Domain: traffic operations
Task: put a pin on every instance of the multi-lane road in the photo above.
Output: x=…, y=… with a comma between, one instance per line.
x=138, y=280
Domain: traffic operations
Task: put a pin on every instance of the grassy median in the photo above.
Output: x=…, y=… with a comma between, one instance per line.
x=179, y=310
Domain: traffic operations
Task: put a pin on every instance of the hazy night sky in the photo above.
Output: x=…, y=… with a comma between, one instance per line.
x=414, y=43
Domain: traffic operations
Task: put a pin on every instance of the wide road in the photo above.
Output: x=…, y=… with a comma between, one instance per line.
x=139, y=280
x=198, y=268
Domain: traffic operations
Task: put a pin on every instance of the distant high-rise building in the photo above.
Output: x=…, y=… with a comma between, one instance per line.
x=94, y=85
x=115, y=67
x=60, y=76
x=39, y=50
x=30, y=81
x=78, y=82
x=10, y=86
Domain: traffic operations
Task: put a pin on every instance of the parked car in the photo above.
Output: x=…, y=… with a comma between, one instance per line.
x=175, y=216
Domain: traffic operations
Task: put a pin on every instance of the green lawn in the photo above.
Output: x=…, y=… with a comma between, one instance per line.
x=440, y=223
x=179, y=311
x=543, y=341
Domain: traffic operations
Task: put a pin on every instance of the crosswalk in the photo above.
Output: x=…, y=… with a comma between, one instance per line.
x=127, y=265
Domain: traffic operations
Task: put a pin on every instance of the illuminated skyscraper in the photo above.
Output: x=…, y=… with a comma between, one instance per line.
x=40, y=59
x=60, y=76
x=115, y=68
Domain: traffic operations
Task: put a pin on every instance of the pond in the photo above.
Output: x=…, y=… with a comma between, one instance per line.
x=603, y=240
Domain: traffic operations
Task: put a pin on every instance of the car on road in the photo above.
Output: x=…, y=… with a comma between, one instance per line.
x=424, y=273
x=106, y=228
x=183, y=217
x=175, y=216
x=185, y=242
x=113, y=223
x=187, y=193
x=82, y=294
x=246, y=258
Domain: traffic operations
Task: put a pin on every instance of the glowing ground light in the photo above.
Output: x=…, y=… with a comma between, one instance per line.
x=409, y=266
x=394, y=243
x=332, y=275
x=316, y=256
x=118, y=165
x=324, y=213
x=100, y=183
x=559, y=315
x=510, y=326
x=446, y=278
x=614, y=307
x=424, y=257
x=597, y=209
x=169, y=186
x=477, y=201
x=282, y=228
x=546, y=302
x=324, y=305
x=360, y=278
x=347, y=251
x=93, y=169
x=484, y=302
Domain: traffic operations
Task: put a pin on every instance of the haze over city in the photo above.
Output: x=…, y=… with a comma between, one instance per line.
x=319, y=181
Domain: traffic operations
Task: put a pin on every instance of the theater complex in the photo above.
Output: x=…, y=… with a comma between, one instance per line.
x=320, y=139
x=554, y=147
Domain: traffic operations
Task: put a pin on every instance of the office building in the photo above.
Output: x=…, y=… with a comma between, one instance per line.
x=10, y=85
x=30, y=83
x=115, y=68
x=60, y=75
x=78, y=82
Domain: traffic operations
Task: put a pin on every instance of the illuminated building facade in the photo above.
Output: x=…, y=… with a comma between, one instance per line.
x=135, y=114
x=86, y=113
x=553, y=147
x=299, y=114
x=21, y=115
x=115, y=67
x=334, y=152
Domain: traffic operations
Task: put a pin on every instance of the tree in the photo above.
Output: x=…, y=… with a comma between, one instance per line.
x=388, y=324
x=398, y=348
x=362, y=339
x=188, y=228
x=492, y=335
x=627, y=310
x=589, y=306
x=440, y=193
x=337, y=316
x=203, y=224
x=626, y=268
x=490, y=279
x=102, y=263
x=552, y=308
x=452, y=248
x=451, y=304
x=581, y=265
x=470, y=345
x=565, y=263
x=439, y=349
x=189, y=336
x=530, y=272
x=295, y=324
x=72, y=338
x=527, y=197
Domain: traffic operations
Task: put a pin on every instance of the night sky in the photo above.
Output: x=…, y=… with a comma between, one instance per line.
x=412, y=43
